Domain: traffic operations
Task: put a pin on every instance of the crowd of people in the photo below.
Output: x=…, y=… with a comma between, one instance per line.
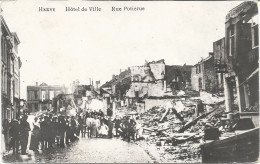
x=49, y=130
x=16, y=133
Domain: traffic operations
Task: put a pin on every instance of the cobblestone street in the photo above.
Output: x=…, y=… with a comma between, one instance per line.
x=87, y=150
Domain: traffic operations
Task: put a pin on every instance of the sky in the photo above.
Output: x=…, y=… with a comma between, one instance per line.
x=59, y=47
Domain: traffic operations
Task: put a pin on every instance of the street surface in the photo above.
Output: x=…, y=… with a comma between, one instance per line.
x=87, y=150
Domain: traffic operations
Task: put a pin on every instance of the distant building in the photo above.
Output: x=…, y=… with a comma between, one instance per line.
x=10, y=73
x=80, y=90
x=203, y=75
x=121, y=84
x=39, y=97
x=63, y=101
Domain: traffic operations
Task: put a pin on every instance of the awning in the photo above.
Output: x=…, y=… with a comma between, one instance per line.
x=249, y=77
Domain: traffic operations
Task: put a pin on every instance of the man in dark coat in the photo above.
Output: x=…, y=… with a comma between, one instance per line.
x=54, y=130
x=14, y=133
x=73, y=128
x=123, y=126
x=24, y=131
x=44, y=132
x=68, y=130
x=81, y=126
x=110, y=128
x=49, y=131
x=109, y=112
x=127, y=128
x=61, y=130
x=131, y=130
x=117, y=122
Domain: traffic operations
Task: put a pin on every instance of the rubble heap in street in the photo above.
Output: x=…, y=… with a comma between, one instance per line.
x=174, y=133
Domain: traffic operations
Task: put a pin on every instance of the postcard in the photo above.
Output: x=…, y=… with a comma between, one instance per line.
x=129, y=81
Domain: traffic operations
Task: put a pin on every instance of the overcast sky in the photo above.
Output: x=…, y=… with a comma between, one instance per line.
x=60, y=47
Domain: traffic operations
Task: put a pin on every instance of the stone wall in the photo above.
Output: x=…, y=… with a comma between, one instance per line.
x=158, y=70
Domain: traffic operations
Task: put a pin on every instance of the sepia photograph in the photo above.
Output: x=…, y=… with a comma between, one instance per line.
x=129, y=82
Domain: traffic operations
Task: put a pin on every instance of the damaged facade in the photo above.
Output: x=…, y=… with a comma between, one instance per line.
x=147, y=80
x=241, y=50
x=156, y=79
x=240, y=69
x=220, y=63
x=85, y=91
x=141, y=86
x=114, y=91
x=178, y=77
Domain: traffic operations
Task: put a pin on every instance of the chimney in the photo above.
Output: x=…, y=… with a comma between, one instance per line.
x=113, y=77
x=36, y=83
x=97, y=84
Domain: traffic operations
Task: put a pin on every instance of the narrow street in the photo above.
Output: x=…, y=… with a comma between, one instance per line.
x=85, y=150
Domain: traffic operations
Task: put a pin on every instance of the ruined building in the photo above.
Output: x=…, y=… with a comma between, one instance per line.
x=152, y=80
x=241, y=80
x=220, y=63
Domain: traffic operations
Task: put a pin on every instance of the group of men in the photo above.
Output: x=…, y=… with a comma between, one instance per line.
x=49, y=130
x=128, y=128
x=16, y=133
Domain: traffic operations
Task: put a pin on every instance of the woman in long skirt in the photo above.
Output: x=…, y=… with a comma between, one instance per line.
x=103, y=130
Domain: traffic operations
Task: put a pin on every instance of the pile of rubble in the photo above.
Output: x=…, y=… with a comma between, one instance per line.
x=177, y=130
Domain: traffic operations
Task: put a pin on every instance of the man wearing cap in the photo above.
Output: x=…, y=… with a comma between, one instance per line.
x=117, y=124
x=24, y=131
